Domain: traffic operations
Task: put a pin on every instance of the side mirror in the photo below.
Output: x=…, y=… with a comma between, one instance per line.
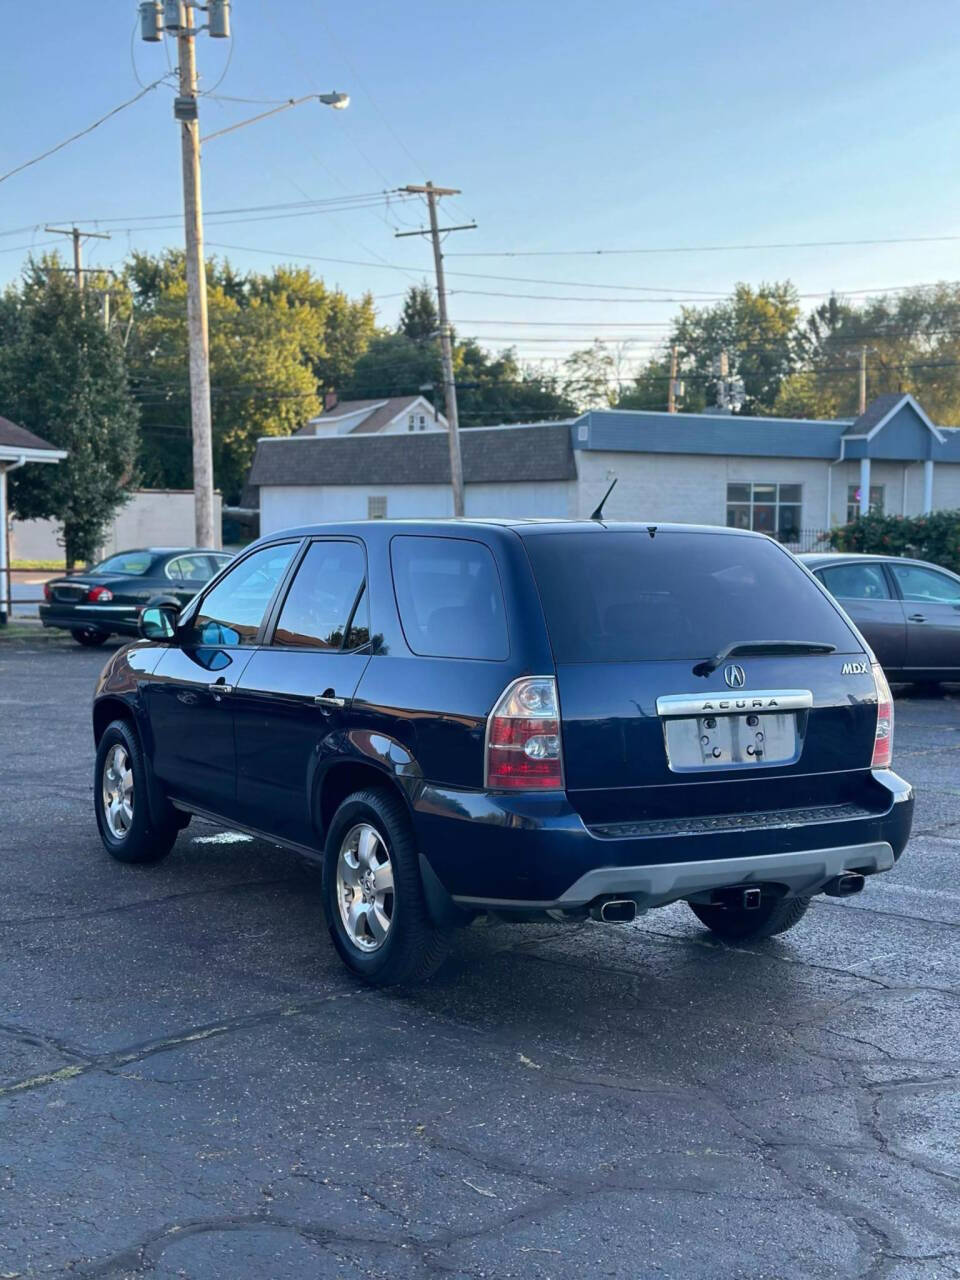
x=159, y=622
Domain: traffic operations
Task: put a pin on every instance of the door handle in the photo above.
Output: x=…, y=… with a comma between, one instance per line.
x=220, y=686
x=329, y=700
x=917, y=617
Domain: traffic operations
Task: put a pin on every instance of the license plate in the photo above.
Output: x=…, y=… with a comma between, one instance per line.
x=738, y=731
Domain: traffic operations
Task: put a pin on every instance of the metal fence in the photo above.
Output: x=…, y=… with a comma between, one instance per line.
x=807, y=540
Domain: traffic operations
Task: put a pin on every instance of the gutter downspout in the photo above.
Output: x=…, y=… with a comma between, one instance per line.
x=842, y=458
x=6, y=586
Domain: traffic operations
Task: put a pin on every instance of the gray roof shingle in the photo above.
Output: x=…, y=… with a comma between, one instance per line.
x=875, y=412
x=15, y=437
x=490, y=455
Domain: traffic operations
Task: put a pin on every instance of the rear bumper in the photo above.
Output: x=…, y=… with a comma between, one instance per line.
x=118, y=618
x=534, y=852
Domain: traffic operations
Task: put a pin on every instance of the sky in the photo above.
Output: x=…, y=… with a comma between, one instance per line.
x=681, y=125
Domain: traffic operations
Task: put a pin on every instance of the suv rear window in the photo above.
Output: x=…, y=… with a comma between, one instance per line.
x=449, y=597
x=622, y=596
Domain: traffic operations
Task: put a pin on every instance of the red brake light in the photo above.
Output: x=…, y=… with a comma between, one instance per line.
x=883, y=741
x=47, y=591
x=523, y=750
x=96, y=594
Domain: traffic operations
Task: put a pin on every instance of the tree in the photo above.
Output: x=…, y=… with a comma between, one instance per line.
x=419, y=318
x=63, y=376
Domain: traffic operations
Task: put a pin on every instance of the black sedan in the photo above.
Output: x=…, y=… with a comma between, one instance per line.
x=106, y=600
x=908, y=610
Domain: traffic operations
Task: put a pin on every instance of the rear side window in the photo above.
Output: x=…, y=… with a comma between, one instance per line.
x=325, y=596
x=450, y=599
x=856, y=582
x=925, y=586
x=619, y=596
x=232, y=612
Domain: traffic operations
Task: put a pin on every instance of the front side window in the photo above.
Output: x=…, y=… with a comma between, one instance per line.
x=326, y=605
x=450, y=599
x=856, y=582
x=231, y=613
x=136, y=563
x=853, y=501
x=766, y=508
x=925, y=586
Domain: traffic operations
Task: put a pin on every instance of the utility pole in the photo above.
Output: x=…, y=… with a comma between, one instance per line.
x=446, y=346
x=179, y=18
x=185, y=110
x=672, y=391
x=78, y=237
x=863, y=380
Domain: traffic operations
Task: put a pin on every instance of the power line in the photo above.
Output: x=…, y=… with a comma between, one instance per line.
x=704, y=248
x=83, y=132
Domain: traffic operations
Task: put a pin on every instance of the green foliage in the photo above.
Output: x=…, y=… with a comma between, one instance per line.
x=62, y=376
x=419, y=318
x=275, y=339
x=934, y=537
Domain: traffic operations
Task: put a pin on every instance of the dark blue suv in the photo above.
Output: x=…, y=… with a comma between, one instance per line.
x=537, y=720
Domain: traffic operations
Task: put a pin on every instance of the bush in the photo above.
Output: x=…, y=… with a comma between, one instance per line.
x=934, y=537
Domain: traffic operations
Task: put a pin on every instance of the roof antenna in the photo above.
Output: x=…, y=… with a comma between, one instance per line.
x=598, y=511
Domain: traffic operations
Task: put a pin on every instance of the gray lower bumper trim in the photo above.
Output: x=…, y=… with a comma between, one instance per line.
x=803, y=872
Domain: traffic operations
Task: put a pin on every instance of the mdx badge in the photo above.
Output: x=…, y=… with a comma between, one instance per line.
x=855, y=669
x=734, y=676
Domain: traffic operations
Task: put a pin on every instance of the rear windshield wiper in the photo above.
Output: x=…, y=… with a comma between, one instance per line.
x=740, y=647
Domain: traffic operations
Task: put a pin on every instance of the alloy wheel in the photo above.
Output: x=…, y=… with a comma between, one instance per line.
x=117, y=791
x=365, y=892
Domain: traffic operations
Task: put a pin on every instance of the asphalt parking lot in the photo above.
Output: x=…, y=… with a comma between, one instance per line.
x=190, y=1084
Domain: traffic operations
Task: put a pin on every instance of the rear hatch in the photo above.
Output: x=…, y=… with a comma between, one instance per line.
x=702, y=675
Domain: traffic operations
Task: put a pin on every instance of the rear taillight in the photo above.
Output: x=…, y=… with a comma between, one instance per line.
x=523, y=749
x=99, y=595
x=883, y=742
x=47, y=591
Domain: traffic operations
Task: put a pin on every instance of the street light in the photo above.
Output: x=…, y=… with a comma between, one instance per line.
x=339, y=102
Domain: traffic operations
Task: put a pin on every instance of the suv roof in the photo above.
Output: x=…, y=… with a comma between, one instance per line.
x=523, y=526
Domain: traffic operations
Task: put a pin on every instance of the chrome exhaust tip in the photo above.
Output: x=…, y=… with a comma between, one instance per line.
x=615, y=911
x=843, y=885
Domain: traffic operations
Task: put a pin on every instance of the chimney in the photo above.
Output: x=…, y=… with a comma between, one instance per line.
x=329, y=401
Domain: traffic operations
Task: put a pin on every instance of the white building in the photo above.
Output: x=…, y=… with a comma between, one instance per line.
x=784, y=476
x=392, y=415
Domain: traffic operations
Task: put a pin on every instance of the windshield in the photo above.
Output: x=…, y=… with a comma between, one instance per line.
x=622, y=596
x=133, y=562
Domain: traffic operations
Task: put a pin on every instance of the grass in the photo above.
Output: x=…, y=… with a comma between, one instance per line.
x=18, y=629
x=58, y=566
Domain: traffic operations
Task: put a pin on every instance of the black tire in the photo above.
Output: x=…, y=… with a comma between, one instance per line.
x=774, y=915
x=414, y=948
x=145, y=839
x=90, y=637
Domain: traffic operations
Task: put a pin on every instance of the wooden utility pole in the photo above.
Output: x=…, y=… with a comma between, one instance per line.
x=78, y=237
x=185, y=110
x=446, y=345
x=672, y=392
x=863, y=380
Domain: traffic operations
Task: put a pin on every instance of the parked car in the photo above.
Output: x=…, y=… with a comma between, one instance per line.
x=537, y=720
x=106, y=600
x=908, y=611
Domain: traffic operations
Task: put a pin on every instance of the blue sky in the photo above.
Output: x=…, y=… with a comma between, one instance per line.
x=613, y=125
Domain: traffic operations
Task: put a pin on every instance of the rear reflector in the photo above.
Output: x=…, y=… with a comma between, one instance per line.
x=96, y=594
x=523, y=750
x=883, y=742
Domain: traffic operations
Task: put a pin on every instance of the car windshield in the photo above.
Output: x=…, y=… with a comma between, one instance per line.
x=135, y=563
x=622, y=596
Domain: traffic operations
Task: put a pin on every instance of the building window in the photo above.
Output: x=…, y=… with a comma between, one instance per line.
x=853, y=501
x=410, y=421
x=376, y=507
x=767, y=508
x=423, y=422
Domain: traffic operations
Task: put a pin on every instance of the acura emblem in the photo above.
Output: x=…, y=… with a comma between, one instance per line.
x=734, y=676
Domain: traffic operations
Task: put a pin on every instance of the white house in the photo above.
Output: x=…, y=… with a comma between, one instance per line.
x=789, y=477
x=392, y=415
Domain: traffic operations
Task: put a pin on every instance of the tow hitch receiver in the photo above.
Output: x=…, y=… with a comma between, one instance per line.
x=751, y=899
